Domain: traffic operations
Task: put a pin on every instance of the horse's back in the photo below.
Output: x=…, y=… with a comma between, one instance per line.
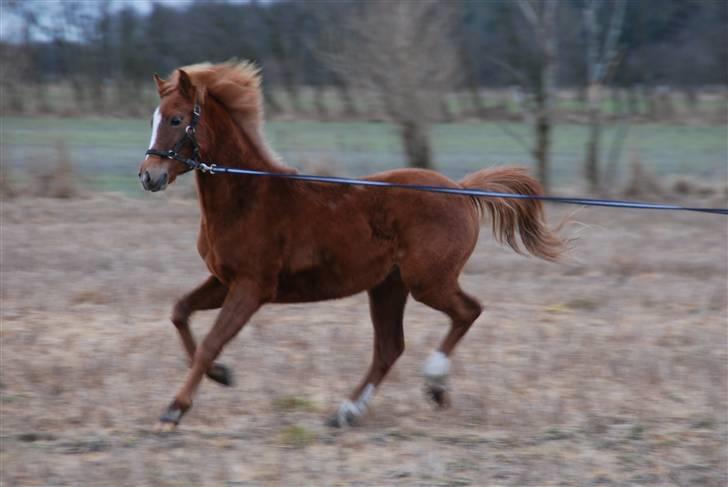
x=448, y=214
x=413, y=176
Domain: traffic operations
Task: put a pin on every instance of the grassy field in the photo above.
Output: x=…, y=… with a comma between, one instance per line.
x=608, y=369
x=105, y=151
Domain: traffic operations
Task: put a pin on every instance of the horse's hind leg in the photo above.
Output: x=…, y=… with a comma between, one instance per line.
x=463, y=310
x=386, y=304
x=209, y=295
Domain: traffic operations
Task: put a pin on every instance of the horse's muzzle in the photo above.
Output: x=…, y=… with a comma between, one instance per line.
x=152, y=183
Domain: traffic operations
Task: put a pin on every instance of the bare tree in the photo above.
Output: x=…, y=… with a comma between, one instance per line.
x=404, y=53
x=541, y=16
x=601, y=62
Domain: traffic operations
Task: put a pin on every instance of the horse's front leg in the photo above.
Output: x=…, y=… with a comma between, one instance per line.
x=242, y=300
x=208, y=295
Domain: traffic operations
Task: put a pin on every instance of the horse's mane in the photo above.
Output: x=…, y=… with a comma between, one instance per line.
x=236, y=86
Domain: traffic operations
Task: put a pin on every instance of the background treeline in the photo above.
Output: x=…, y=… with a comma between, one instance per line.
x=87, y=57
x=523, y=66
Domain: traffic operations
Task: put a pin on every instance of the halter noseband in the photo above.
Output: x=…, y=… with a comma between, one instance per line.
x=194, y=161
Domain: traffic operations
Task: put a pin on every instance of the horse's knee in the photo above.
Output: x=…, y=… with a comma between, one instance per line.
x=472, y=310
x=465, y=310
x=180, y=314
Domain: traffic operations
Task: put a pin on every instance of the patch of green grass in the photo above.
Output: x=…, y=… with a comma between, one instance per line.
x=704, y=423
x=636, y=432
x=585, y=303
x=555, y=434
x=10, y=398
x=294, y=403
x=296, y=436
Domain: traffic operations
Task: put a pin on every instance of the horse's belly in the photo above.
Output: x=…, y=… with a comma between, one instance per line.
x=331, y=281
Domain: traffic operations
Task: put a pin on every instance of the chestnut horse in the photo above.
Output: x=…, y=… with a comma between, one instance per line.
x=275, y=240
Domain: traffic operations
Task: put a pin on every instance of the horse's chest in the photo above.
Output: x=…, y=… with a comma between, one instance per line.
x=224, y=256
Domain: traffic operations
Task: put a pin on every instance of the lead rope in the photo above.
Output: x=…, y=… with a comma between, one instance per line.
x=215, y=169
x=211, y=168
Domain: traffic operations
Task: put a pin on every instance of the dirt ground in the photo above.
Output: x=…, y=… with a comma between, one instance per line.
x=608, y=369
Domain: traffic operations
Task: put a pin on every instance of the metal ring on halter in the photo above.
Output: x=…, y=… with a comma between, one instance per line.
x=207, y=168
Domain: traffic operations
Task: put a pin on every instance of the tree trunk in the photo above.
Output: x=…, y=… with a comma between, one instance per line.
x=545, y=94
x=542, y=151
x=319, y=99
x=446, y=114
x=591, y=160
x=416, y=142
x=349, y=109
x=79, y=94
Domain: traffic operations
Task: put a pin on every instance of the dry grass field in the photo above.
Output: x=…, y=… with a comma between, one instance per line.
x=608, y=369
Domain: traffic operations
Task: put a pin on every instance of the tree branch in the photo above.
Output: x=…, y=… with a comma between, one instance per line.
x=529, y=12
x=610, y=44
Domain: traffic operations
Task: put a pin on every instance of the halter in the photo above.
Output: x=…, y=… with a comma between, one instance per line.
x=194, y=161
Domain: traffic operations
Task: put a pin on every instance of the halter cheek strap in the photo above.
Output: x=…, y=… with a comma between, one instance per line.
x=194, y=161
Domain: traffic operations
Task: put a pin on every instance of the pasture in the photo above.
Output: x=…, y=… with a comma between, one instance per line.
x=607, y=369
x=105, y=152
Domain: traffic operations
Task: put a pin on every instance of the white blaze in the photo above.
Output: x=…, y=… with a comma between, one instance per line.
x=155, y=125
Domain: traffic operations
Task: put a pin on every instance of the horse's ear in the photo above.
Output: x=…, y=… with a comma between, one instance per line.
x=161, y=84
x=184, y=84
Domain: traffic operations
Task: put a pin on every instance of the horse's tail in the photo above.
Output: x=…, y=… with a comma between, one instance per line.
x=510, y=215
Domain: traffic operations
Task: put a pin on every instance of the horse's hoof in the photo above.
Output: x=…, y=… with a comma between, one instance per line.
x=439, y=396
x=348, y=414
x=220, y=374
x=164, y=427
x=338, y=420
x=169, y=420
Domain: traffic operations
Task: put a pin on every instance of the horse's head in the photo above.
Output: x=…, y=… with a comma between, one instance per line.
x=171, y=123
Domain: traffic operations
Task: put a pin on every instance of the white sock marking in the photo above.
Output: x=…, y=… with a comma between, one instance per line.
x=357, y=408
x=155, y=126
x=364, y=398
x=437, y=366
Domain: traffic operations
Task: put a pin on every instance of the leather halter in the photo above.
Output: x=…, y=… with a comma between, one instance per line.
x=194, y=161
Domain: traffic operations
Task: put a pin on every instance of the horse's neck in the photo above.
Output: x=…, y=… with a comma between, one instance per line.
x=225, y=144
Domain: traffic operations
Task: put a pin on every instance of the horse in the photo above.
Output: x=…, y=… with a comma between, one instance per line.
x=277, y=240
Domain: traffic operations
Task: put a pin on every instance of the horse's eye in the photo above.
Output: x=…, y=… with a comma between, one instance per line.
x=175, y=121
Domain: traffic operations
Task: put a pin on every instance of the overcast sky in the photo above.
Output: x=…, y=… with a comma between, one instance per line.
x=11, y=25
